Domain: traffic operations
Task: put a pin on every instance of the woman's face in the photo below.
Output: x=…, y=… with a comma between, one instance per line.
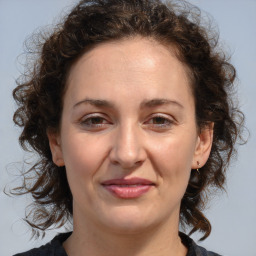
x=128, y=136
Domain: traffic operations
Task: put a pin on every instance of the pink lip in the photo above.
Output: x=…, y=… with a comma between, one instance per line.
x=128, y=188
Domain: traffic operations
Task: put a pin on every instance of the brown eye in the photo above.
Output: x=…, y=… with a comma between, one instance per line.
x=94, y=123
x=95, y=120
x=160, y=122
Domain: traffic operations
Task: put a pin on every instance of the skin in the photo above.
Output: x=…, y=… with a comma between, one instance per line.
x=134, y=135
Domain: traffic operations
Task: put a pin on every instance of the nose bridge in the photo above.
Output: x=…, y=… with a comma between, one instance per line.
x=128, y=149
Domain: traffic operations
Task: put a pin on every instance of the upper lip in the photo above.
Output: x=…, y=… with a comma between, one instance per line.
x=130, y=181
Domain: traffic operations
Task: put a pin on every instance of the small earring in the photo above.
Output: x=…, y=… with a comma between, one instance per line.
x=198, y=166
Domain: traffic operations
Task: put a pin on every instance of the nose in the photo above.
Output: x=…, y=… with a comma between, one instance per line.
x=128, y=150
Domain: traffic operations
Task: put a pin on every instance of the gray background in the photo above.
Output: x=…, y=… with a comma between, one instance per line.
x=232, y=215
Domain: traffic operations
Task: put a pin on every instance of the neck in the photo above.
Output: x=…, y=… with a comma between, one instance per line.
x=88, y=239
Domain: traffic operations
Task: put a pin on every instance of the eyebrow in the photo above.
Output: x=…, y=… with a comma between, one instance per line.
x=159, y=102
x=145, y=104
x=95, y=102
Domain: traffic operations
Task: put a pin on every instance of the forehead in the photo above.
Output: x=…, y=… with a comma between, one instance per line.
x=132, y=64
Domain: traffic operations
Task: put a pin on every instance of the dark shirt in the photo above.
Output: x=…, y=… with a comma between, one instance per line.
x=55, y=248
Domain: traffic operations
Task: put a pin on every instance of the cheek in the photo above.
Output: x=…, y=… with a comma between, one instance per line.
x=83, y=155
x=172, y=158
x=174, y=152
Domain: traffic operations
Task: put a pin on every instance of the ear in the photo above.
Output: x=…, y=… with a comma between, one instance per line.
x=203, y=146
x=55, y=146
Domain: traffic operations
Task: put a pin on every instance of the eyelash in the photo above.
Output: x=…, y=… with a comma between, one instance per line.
x=167, y=121
x=88, y=122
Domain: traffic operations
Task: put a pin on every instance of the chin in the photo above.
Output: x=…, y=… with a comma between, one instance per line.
x=128, y=220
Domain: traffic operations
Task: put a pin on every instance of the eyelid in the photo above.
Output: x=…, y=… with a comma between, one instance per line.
x=167, y=118
x=94, y=114
x=86, y=122
x=88, y=117
x=162, y=115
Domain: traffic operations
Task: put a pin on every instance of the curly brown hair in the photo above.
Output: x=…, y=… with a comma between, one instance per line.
x=39, y=96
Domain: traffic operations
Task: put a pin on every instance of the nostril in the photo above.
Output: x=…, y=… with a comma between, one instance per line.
x=126, y=163
x=127, y=149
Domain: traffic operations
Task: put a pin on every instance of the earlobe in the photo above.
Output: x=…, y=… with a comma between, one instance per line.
x=55, y=146
x=203, y=147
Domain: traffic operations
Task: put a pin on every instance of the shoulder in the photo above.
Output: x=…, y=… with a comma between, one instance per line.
x=53, y=248
x=193, y=248
x=203, y=252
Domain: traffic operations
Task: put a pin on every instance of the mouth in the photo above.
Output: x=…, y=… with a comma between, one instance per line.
x=128, y=188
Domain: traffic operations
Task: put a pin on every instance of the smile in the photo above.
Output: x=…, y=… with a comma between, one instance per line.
x=128, y=188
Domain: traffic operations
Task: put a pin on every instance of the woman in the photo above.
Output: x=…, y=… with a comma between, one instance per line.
x=129, y=107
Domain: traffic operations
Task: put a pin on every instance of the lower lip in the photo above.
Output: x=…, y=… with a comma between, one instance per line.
x=128, y=191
